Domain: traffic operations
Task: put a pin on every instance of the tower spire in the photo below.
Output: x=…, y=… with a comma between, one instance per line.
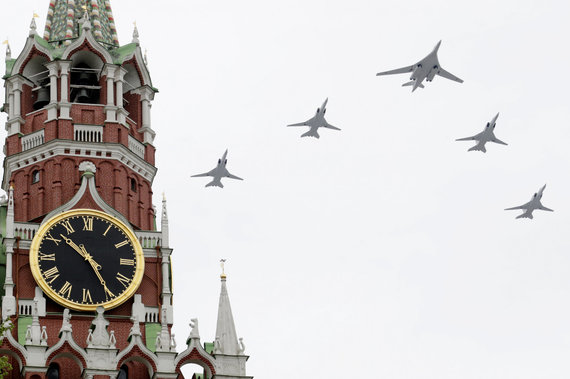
x=226, y=336
x=64, y=18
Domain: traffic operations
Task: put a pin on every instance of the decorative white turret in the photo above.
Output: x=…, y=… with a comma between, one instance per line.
x=135, y=34
x=164, y=223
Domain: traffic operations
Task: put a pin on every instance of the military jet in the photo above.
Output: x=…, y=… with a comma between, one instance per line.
x=316, y=122
x=426, y=69
x=218, y=173
x=533, y=204
x=485, y=136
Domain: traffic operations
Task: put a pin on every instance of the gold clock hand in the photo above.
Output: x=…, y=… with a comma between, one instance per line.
x=73, y=245
x=96, y=267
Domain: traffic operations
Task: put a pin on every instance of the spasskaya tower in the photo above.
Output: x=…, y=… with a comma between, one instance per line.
x=86, y=273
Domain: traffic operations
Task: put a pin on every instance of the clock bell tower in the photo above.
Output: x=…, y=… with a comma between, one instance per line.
x=86, y=274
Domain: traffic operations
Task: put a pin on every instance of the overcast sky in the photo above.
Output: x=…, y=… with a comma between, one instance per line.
x=382, y=250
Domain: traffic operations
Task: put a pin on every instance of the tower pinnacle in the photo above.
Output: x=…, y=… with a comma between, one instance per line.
x=64, y=16
x=226, y=336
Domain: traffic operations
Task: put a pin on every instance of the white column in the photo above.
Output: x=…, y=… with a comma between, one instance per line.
x=110, y=90
x=110, y=108
x=10, y=105
x=52, y=106
x=52, y=66
x=64, y=66
x=165, y=274
x=17, y=101
x=64, y=106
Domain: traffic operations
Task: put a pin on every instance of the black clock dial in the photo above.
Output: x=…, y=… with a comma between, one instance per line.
x=86, y=260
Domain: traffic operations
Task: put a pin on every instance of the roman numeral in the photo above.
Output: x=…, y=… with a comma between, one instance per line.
x=67, y=225
x=121, y=244
x=108, y=293
x=88, y=223
x=86, y=296
x=106, y=230
x=52, y=273
x=127, y=262
x=47, y=257
x=123, y=279
x=65, y=290
x=49, y=237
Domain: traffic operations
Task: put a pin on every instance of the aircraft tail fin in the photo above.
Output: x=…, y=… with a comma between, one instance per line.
x=311, y=133
x=215, y=183
x=478, y=147
x=525, y=215
x=413, y=83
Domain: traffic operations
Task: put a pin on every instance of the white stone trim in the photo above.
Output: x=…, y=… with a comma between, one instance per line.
x=57, y=148
x=88, y=133
x=87, y=182
x=87, y=35
x=30, y=43
x=136, y=147
x=32, y=140
x=24, y=230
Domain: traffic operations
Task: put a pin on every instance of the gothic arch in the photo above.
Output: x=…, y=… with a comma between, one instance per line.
x=67, y=351
x=138, y=355
x=197, y=358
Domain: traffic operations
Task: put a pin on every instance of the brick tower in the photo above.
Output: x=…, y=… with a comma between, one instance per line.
x=79, y=163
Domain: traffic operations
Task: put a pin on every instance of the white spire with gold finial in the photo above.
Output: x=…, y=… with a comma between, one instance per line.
x=225, y=327
x=8, y=50
x=33, y=26
x=135, y=33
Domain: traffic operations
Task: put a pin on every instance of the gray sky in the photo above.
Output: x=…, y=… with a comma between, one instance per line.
x=382, y=250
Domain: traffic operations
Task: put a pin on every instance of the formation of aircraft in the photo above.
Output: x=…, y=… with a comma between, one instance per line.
x=219, y=172
x=487, y=135
x=532, y=205
x=316, y=122
x=426, y=69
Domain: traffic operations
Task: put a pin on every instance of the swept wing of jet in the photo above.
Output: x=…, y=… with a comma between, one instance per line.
x=425, y=69
x=487, y=135
x=316, y=122
x=219, y=172
x=532, y=205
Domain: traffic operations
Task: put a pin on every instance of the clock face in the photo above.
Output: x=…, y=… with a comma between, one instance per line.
x=84, y=258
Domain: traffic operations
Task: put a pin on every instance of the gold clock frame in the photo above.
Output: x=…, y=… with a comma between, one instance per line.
x=52, y=294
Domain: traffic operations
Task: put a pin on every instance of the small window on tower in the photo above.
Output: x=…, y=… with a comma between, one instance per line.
x=133, y=185
x=35, y=176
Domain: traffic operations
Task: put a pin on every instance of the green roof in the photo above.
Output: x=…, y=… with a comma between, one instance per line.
x=121, y=53
x=9, y=66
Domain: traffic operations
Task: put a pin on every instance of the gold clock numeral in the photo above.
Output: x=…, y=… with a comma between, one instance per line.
x=87, y=296
x=65, y=290
x=127, y=262
x=51, y=274
x=106, y=230
x=67, y=225
x=121, y=244
x=49, y=237
x=47, y=257
x=88, y=223
x=123, y=279
x=108, y=293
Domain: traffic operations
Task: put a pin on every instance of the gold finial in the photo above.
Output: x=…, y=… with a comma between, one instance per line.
x=222, y=261
x=36, y=15
x=6, y=42
x=163, y=196
x=135, y=23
